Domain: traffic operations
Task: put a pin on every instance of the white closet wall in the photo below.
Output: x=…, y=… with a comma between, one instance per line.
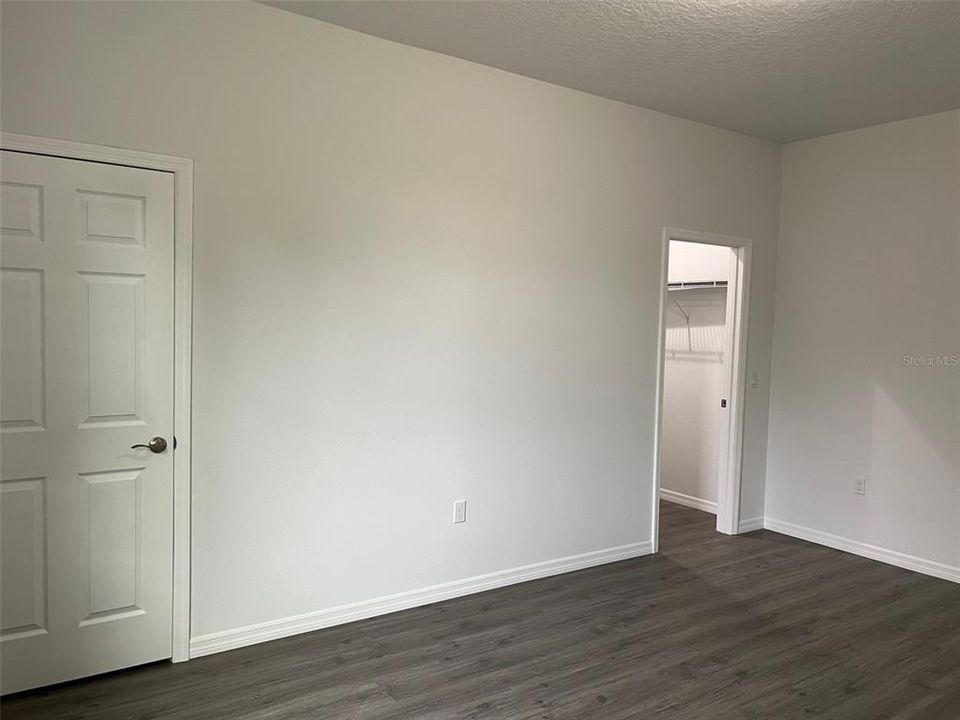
x=693, y=374
x=696, y=262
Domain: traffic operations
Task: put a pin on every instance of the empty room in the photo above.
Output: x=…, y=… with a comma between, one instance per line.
x=480, y=359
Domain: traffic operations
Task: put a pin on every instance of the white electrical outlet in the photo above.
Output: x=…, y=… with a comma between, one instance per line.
x=860, y=486
x=754, y=380
x=460, y=511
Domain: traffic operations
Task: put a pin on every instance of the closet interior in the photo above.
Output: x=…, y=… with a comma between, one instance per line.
x=695, y=367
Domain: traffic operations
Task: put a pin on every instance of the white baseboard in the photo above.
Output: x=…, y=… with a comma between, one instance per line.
x=688, y=501
x=750, y=524
x=891, y=557
x=284, y=627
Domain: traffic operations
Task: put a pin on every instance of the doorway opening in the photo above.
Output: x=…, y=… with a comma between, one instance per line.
x=702, y=367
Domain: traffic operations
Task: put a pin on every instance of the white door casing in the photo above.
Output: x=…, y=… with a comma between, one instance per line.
x=87, y=371
x=733, y=388
x=734, y=371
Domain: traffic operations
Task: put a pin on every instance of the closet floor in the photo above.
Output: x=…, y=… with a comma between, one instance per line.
x=711, y=628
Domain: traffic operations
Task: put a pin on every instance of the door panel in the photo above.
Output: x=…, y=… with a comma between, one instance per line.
x=22, y=383
x=86, y=346
x=22, y=514
x=113, y=316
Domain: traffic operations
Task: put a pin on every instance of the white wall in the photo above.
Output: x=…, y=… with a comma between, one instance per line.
x=869, y=277
x=696, y=262
x=416, y=280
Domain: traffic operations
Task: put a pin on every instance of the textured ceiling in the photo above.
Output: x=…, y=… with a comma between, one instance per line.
x=777, y=69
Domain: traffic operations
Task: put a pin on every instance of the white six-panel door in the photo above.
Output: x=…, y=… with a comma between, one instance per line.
x=86, y=371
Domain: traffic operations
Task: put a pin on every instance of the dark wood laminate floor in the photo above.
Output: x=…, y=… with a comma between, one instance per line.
x=714, y=627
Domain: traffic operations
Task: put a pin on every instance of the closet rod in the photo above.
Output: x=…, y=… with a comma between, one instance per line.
x=697, y=285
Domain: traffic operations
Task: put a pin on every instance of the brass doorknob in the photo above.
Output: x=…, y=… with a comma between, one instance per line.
x=156, y=445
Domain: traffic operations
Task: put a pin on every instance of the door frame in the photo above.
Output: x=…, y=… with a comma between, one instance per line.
x=735, y=374
x=182, y=170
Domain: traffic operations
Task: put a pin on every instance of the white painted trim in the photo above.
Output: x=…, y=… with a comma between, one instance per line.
x=751, y=524
x=658, y=402
x=182, y=169
x=728, y=489
x=689, y=501
x=284, y=627
x=873, y=552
